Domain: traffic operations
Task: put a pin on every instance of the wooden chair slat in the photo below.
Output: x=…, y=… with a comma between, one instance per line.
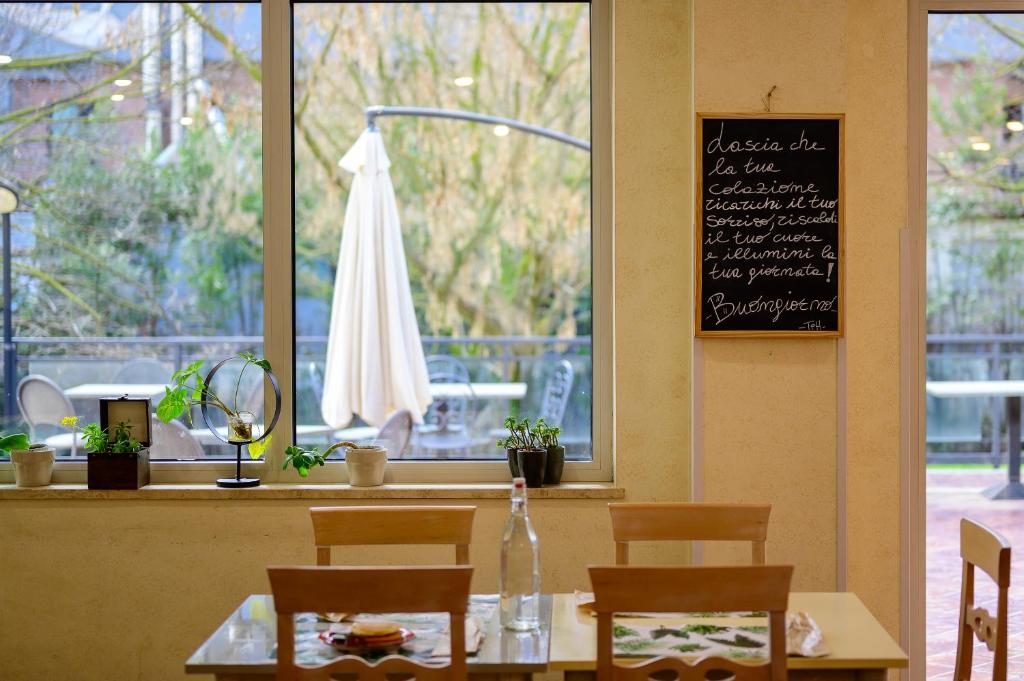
x=689, y=522
x=370, y=590
x=691, y=589
x=981, y=547
x=381, y=525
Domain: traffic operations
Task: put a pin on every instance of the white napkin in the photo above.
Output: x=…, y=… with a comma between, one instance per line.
x=803, y=636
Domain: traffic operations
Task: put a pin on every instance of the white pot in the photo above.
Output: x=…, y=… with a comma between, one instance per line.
x=32, y=467
x=366, y=466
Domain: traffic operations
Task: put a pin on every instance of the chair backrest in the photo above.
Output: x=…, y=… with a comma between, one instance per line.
x=692, y=589
x=450, y=413
x=42, y=402
x=145, y=370
x=689, y=522
x=379, y=525
x=174, y=441
x=396, y=433
x=981, y=547
x=557, y=390
x=370, y=590
x=448, y=365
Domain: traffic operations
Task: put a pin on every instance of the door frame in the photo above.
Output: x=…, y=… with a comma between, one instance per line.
x=913, y=298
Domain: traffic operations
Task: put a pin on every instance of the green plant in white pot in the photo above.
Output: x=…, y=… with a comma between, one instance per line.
x=366, y=463
x=33, y=463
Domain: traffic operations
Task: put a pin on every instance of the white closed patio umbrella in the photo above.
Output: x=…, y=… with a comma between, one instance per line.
x=375, y=363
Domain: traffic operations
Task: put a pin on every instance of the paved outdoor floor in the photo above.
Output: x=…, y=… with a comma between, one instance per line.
x=951, y=495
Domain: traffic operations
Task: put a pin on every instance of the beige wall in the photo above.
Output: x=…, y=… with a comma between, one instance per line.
x=769, y=413
x=130, y=588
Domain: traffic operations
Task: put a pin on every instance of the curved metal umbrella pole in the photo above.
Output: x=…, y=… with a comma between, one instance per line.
x=374, y=112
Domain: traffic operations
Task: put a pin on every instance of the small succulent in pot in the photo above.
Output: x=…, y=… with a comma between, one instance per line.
x=526, y=455
x=556, y=452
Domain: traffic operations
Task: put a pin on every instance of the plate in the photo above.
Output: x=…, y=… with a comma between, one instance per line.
x=339, y=641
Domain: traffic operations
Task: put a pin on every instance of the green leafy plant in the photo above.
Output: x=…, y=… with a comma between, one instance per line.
x=115, y=440
x=9, y=443
x=303, y=459
x=548, y=435
x=190, y=390
x=521, y=435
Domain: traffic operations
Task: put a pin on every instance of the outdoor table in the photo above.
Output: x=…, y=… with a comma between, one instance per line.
x=859, y=646
x=244, y=647
x=480, y=391
x=357, y=434
x=94, y=391
x=1012, y=391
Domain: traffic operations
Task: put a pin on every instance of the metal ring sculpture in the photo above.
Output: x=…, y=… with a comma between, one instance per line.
x=206, y=391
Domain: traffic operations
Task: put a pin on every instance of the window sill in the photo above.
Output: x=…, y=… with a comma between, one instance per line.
x=164, y=492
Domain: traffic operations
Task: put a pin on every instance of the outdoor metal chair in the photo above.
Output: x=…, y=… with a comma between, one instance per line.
x=446, y=424
x=174, y=441
x=556, y=393
x=446, y=365
x=43, y=403
x=396, y=433
x=145, y=370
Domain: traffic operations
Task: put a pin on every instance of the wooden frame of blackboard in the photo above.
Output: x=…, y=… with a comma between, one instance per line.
x=697, y=231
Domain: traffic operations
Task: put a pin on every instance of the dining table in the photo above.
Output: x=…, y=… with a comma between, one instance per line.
x=243, y=647
x=1011, y=391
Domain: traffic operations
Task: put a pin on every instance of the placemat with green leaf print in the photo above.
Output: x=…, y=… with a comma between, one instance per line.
x=737, y=638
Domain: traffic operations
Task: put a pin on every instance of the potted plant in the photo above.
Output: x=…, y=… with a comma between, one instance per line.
x=366, y=463
x=33, y=463
x=115, y=458
x=512, y=443
x=527, y=457
x=555, y=452
x=190, y=390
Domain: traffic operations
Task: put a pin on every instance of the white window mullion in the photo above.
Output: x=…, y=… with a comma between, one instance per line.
x=277, y=220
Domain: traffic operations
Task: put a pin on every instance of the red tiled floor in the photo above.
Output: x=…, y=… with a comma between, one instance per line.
x=951, y=495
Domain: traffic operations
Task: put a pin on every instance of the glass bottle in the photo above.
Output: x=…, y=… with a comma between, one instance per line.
x=519, y=584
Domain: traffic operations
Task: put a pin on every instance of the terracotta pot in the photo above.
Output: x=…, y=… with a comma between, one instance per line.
x=531, y=465
x=366, y=466
x=555, y=464
x=32, y=467
x=513, y=461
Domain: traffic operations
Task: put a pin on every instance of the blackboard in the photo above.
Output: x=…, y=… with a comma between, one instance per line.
x=769, y=237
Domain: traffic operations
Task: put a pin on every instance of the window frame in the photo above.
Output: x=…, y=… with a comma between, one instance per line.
x=279, y=285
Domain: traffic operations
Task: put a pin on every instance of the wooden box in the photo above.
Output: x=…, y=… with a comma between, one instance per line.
x=123, y=471
x=118, y=471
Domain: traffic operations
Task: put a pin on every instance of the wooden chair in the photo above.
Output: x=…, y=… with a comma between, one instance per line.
x=369, y=590
x=692, y=589
x=689, y=522
x=380, y=525
x=981, y=547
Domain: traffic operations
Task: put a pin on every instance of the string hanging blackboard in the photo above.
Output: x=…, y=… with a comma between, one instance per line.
x=769, y=237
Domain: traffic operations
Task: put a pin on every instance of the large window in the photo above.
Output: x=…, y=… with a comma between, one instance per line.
x=132, y=132
x=495, y=221
x=158, y=146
